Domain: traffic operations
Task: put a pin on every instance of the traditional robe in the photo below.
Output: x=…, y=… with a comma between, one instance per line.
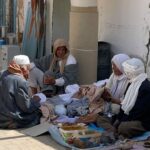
x=141, y=109
x=16, y=108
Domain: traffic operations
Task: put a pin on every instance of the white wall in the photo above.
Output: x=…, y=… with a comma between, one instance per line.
x=125, y=24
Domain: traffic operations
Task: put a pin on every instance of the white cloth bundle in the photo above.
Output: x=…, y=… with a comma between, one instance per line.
x=60, y=110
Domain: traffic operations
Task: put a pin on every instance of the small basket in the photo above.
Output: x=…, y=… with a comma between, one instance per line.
x=87, y=139
x=70, y=132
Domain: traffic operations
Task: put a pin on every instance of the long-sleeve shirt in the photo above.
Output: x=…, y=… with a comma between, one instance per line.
x=141, y=109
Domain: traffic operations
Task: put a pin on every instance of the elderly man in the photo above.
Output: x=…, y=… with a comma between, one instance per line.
x=17, y=109
x=116, y=84
x=133, y=118
x=53, y=72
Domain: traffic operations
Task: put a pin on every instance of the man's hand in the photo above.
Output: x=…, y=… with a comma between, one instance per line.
x=49, y=80
x=36, y=98
x=106, y=95
x=116, y=123
x=39, y=97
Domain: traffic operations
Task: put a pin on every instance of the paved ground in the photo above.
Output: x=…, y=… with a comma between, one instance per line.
x=14, y=140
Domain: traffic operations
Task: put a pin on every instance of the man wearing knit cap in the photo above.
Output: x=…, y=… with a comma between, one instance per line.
x=54, y=72
x=17, y=109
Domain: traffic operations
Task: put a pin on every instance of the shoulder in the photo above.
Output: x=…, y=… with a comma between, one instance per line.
x=43, y=58
x=71, y=60
x=3, y=73
x=20, y=82
x=12, y=80
x=110, y=81
x=17, y=78
x=145, y=85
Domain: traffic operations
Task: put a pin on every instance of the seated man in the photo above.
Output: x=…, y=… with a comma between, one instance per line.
x=16, y=108
x=116, y=84
x=133, y=118
x=53, y=72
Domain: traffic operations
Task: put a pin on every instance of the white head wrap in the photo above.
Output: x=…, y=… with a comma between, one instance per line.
x=118, y=84
x=119, y=59
x=21, y=60
x=134, y=69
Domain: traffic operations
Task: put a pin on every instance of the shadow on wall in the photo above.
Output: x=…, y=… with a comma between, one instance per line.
x=104, y=60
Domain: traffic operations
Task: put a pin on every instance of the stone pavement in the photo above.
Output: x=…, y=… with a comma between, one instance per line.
x=14, y=140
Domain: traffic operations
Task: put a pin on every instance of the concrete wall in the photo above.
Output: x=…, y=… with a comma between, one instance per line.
x=61, y=9
x=84, y=3
x=126, y=25
x=83, y=38
x=49, y=26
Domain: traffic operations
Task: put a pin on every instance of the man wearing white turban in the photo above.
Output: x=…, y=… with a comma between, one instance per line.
x=17, y=109
x=117, y=83
x=133, y=118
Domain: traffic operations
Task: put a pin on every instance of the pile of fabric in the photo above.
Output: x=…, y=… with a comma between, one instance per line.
x=81, y=104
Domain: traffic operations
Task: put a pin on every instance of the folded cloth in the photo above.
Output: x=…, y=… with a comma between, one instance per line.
x=72, y=88
x=66, y=97
x=60, y=110
x=66, y=119
x=100, y=83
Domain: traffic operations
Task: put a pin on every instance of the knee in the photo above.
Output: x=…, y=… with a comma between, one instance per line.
x=123, y=130
x=100, y=120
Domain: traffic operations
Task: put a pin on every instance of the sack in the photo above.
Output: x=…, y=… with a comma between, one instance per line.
x=55, y=134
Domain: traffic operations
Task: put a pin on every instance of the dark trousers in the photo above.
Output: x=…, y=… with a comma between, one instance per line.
x=127, y=129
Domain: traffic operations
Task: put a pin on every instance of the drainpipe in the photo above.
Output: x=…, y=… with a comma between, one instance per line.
x=83, y=38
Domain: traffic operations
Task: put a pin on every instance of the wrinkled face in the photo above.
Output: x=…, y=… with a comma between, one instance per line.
x=128, y=74
x=25, y=69
x=115, y=69
x=61, y=51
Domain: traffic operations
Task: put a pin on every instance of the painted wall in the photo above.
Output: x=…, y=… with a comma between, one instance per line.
x=126, y=25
